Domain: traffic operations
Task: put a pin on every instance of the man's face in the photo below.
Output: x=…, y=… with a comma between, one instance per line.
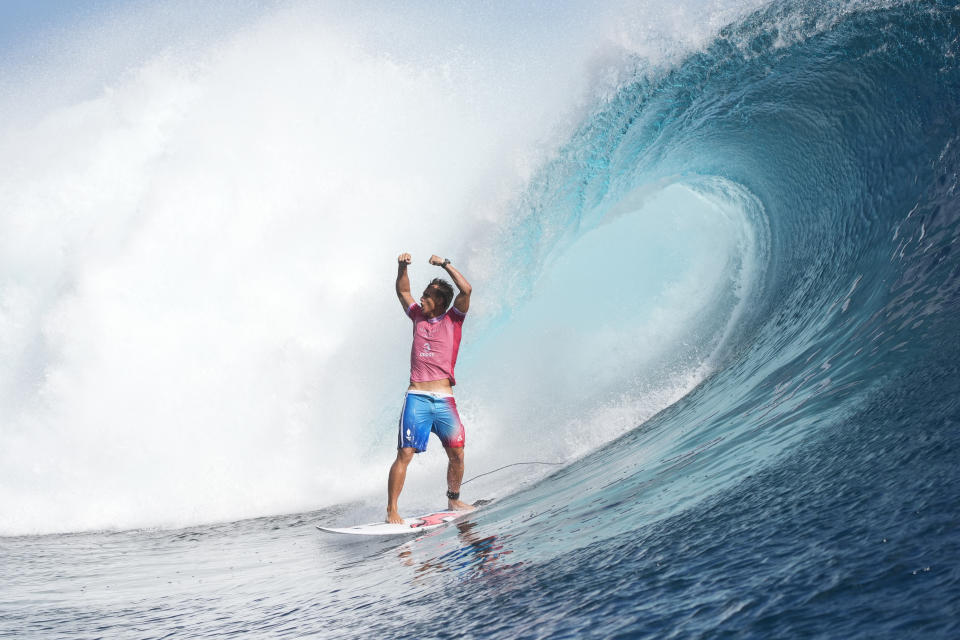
x=430, y=301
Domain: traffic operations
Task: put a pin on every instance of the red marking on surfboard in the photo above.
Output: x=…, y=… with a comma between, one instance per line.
x=433, y=518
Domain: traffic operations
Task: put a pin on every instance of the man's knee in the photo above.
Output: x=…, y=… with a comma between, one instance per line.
x=454, y=453
x=405, y=455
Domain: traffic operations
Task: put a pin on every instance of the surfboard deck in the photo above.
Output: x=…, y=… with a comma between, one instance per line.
x=414, y=525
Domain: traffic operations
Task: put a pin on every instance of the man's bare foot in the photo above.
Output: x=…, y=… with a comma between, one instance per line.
x=394, y=518
x=456, y=505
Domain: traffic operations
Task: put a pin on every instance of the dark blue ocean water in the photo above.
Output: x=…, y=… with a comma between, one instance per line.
x=805, y=489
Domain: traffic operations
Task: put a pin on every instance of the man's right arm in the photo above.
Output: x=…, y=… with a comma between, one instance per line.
x=403, y=282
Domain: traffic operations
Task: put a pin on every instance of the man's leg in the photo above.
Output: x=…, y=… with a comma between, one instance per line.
x=398, y=473
x=454, y=477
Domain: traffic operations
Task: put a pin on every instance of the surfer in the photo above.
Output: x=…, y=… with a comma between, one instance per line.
x=428, y=404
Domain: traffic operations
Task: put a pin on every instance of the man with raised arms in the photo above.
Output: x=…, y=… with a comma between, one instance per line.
x=428, y=404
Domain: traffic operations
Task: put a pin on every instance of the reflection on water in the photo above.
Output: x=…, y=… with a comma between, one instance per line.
x=469, y=554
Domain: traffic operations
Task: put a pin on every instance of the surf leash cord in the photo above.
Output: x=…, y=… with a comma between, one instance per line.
x=507, y=466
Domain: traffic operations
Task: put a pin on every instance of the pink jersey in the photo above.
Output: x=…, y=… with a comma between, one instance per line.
x=436, y=342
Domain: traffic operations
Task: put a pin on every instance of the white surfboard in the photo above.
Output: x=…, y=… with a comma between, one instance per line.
x=415, y=525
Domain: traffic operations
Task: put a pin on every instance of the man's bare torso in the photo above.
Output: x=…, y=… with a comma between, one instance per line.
x=433, y=386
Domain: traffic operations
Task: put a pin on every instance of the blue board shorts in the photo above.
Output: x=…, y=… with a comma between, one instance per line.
x=424, y=412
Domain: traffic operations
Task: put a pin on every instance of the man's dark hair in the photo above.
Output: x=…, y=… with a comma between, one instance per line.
x=444, y=291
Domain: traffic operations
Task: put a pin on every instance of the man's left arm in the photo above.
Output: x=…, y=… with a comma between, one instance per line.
x=462, y=302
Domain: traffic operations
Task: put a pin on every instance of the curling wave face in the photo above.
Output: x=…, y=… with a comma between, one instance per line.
x=839, y=153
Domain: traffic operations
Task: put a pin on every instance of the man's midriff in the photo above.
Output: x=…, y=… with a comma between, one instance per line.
x=436, y=386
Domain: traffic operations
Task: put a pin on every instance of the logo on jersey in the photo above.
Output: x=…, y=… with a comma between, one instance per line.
x=425, y=351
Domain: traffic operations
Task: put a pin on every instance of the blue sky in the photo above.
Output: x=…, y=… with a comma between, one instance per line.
x=22, y=21
x=21, y=18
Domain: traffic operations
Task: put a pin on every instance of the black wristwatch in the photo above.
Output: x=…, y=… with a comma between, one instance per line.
x=445, y=262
